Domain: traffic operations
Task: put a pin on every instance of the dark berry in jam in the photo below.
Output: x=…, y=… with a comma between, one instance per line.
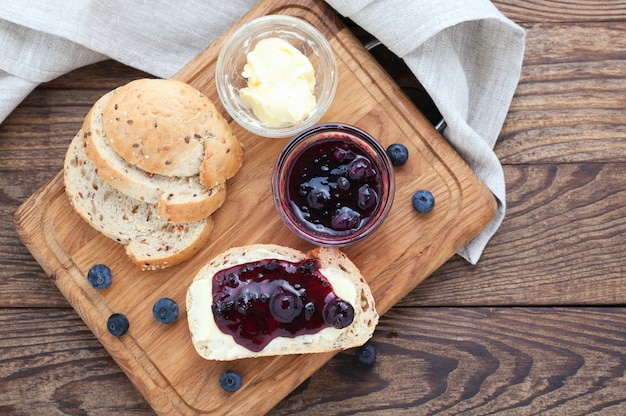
x=338, y=313
x=259, y=301
x=100, y=276
x=423, y=201
x=285, y=306
x=165, y=310
x=398, y=154
x=345, y=219
x=230, y=381
x=334, y=187
x=118, y=324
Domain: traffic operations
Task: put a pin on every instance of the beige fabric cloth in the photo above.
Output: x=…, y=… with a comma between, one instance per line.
x=467, y=55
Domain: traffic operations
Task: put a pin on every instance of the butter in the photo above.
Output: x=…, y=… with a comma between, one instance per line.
x=281, y=82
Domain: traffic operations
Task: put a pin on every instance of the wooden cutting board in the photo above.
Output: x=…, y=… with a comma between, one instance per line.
x=160, y=360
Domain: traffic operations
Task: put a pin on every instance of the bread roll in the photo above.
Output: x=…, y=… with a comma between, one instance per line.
x=346, y=281
x=179, y=198
x=168, y=127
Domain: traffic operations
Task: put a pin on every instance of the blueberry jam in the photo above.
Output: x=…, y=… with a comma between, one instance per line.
x=259, y=301
x=334, y=188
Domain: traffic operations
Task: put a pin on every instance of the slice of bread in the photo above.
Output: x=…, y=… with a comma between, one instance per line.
x=151, y=241
x=345, y=278
x=179, y=199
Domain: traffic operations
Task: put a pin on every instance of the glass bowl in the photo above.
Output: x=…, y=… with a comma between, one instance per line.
x=333, y=185
x=233, y=57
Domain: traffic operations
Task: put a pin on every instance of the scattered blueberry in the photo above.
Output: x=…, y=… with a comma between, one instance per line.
x=423, y=201
x=398, y=154
x=165, y=310
x=366, y=354
x=319, y=195
x=100, y=276
x=118, y=324
x=230, y=381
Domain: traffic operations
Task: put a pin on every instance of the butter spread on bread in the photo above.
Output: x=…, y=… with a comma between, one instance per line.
x=345, y=282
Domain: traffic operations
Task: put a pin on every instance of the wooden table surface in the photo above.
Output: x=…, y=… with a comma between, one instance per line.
x=537, y=327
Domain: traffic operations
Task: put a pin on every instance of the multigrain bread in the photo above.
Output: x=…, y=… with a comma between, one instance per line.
x=149, y=168
x=163, y=141
x=170, y=128
x=150, y=241
x=345, y=278
x=179, y=198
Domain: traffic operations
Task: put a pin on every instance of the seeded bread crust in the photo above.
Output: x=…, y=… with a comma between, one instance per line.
x=168, y=127
x=179, y=199
x=222, y=347
x=151, y=242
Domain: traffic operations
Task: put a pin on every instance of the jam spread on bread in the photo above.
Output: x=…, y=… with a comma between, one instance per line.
x=258, y=301
x=334, y=187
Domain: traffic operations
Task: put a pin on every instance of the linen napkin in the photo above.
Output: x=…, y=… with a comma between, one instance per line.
x=466, y=54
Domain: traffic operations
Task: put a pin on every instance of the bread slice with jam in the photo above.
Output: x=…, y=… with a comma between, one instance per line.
x=265, y=300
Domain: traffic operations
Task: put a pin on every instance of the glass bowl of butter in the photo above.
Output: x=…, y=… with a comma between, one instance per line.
x=276, y=75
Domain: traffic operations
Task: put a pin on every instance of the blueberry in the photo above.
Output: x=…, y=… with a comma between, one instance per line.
x=343, y=183
x=366, y=354
x=318, y=198
x=165, y=310
x=361, y=169
x=345, y=219
x=118, y=324
x=367, y=197
x=398, y=154
x=338, y=313
x=317, y=192
x=100, y=276
x=341, y=154
x=230, y=381
x=423, y=201
x=285, y=306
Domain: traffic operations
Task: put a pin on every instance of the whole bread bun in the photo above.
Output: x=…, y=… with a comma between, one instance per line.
x=170, y=128
x=344, y=277
x=150, y=241
x=179, y=198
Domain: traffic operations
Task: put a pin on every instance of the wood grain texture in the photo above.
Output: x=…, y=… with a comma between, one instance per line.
x=59, y=365
x=569, y=105
x=562, y=10
x=562, y=243
x=481, y=361
x=513, y=361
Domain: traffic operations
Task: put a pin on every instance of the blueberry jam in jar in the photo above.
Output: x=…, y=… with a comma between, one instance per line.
x=258, y=301
x=333, y=185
